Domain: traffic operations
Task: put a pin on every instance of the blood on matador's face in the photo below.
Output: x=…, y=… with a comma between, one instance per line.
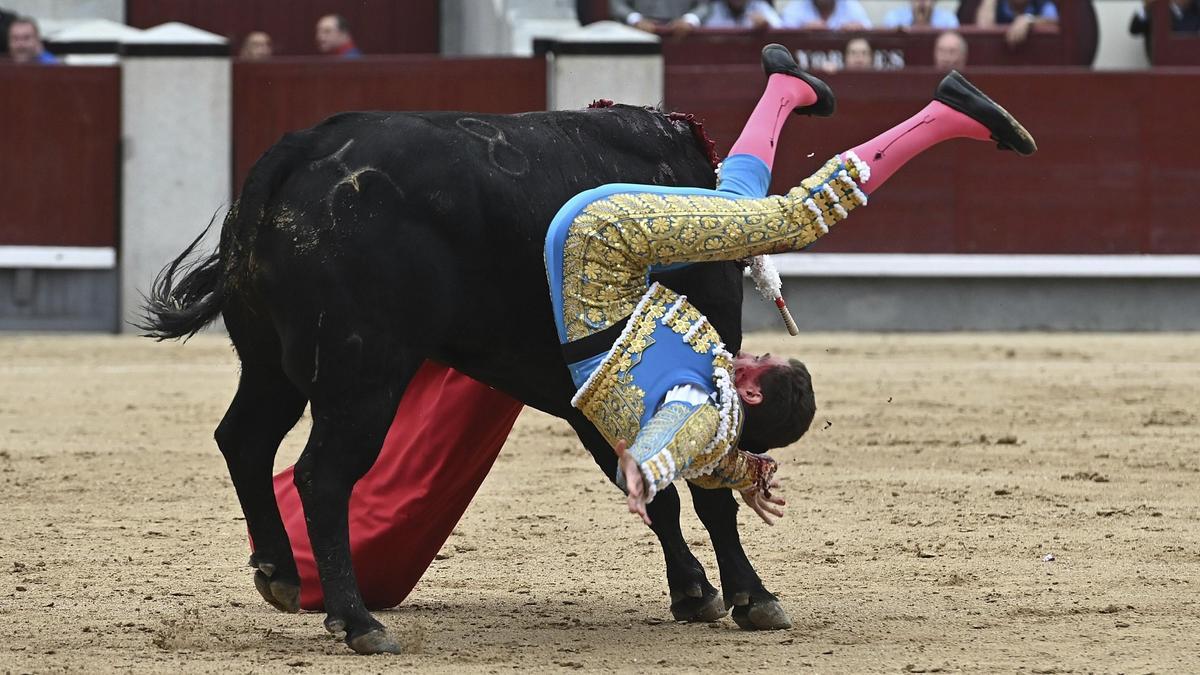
x=747, y=369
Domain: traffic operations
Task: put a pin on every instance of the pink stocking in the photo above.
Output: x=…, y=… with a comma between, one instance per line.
x=783, y=94
x=889, y=151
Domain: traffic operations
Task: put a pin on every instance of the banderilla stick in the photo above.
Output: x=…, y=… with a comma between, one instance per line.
x=793, y=329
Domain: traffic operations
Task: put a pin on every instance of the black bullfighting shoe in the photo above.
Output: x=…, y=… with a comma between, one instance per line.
x=956, y=92
x=778, y=59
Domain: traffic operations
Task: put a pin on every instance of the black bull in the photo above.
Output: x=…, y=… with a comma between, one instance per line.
x=365, y=245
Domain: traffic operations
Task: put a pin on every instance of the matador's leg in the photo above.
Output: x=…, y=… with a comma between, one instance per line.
x=603, y=242
x=747, y=169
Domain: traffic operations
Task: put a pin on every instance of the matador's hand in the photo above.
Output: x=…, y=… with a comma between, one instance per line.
x=765, y=502
x=634, y=484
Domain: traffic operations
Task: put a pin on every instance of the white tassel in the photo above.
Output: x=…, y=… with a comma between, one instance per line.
x=673, y=309
x=860, y=196
x=770, y=286
x=766, y=277
x=860, y=167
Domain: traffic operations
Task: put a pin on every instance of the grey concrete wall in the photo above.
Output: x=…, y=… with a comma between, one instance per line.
x=577, y=80
x=925, y=304
x=113, y=10
x=176, y=126
x=58, y=299
x=1118, y=50
x=502, y=26
x=472, y=27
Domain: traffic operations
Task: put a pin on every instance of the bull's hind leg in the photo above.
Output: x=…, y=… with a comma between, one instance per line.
x=354, y=399
x=264, y=408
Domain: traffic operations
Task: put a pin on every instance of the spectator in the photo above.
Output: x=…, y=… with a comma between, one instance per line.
x=1185, y=18
x=830, y=14
x=588, y=12
x=921, y=14
x=679, y=17
x=6, y=19
x=334, y=39
x=859, y=55
x=756, y=14
x=256, y=46
x=25, y=43
x=1018, y=15
x=950, y=52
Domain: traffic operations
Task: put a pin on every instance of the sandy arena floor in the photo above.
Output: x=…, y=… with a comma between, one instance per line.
x=940, y=472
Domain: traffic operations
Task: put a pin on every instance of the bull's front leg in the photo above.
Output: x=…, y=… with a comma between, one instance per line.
x=693, y=598
x=754, y=607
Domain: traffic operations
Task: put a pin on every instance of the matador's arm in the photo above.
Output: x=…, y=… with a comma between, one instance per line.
x=684, y=440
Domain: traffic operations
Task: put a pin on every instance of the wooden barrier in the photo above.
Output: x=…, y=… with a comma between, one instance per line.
x=61, y=129
x=1113, y=174
x=1168, y=48
x=272, y=98
x=379, y=26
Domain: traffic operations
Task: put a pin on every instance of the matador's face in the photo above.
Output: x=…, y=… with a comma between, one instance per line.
x=747, y=369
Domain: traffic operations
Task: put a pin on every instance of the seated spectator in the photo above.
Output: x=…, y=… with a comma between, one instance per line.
x=6, y=19
x=830, y=14
x=755, y=14
x=334, y=39
x=950, y=52
x=679, y=17
x=25, y=43
x=1018, y=15
x=859, y=55
x=920, y=14
x=1185, y=18
x=256, y=46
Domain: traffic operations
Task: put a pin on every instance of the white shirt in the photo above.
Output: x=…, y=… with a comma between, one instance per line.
x=721, y=17
x=688, y=393
x=800, y=12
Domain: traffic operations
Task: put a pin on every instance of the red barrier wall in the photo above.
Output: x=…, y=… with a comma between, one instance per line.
x=275, y=97
x=1169, y=48
x=61, y=131
x=1115, y=171
x=379, y=26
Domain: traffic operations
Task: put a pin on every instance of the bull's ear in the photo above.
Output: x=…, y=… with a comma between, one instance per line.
x=750, y=393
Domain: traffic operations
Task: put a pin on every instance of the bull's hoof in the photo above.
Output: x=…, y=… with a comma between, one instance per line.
x=761, y=614
x=281, y=594
x=378, y=641
x=698, y=605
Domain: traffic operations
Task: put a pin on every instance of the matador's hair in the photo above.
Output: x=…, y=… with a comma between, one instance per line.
x=786, y=411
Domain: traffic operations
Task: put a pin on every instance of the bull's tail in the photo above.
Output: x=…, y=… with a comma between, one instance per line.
x=179, y=306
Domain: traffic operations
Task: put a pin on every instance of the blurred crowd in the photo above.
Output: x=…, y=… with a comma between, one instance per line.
x=23, y=40
x=1017, y=18
x=682, y=16
x=333, y=38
